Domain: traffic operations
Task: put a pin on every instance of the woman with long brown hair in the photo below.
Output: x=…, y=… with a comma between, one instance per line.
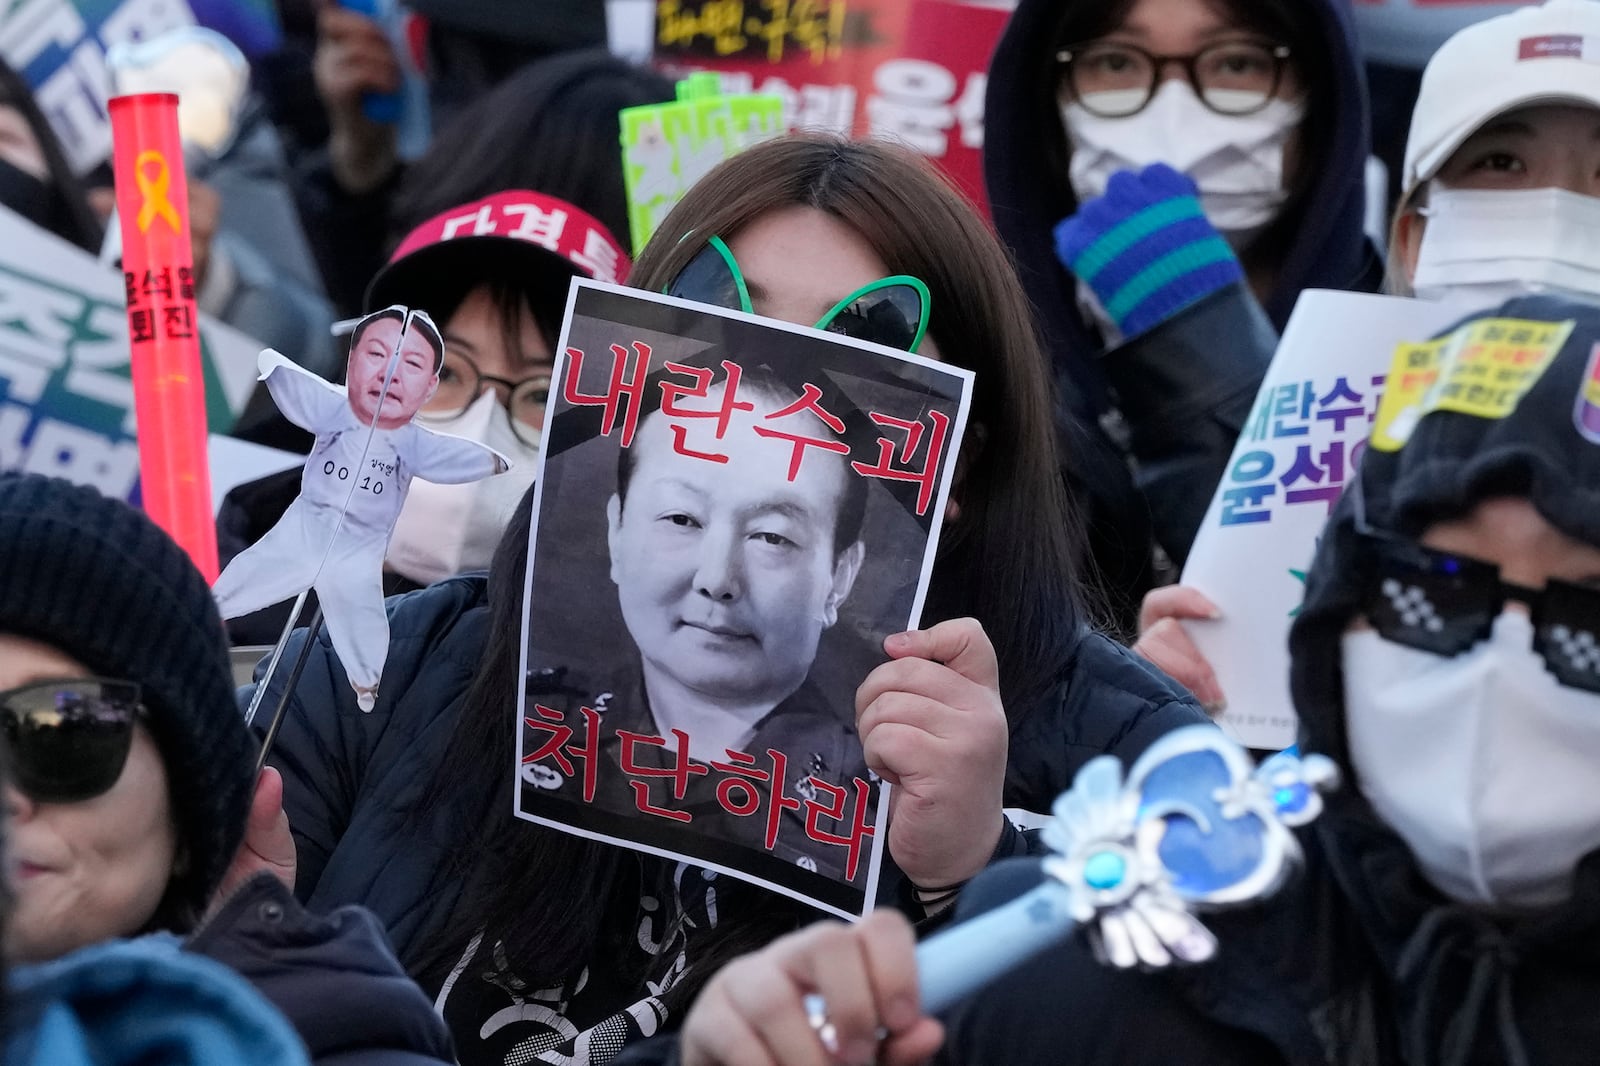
x=547, y=947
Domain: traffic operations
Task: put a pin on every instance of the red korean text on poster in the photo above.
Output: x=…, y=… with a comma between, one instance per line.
x=908, y=70
x=158, y=270
x=731, y=518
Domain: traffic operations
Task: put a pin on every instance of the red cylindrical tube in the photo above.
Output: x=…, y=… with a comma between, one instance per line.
x=163, y=322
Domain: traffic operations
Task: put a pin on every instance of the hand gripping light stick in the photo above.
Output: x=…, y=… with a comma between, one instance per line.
x=1196, y=826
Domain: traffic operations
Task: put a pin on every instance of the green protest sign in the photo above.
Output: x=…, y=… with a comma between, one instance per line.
x=667, y=147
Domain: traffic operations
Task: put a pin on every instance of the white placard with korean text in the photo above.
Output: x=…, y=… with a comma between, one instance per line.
x=66, y=388
x=1303, y=442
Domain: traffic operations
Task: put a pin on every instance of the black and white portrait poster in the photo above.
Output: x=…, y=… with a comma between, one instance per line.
x=731, y=516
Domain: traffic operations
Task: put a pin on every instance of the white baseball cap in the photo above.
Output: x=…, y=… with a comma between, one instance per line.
x=1536, y=55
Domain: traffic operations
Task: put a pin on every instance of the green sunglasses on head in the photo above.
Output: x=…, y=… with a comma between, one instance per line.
x=891, y=311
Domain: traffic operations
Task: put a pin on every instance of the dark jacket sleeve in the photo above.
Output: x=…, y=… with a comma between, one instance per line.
x=1186, y=389
x=335, y=978
x=1109, y=702
x=1063, y=1007
x=326, y=742
x=321, y=750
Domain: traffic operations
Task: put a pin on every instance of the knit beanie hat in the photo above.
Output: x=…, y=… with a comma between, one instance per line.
x=1542, y=450
x=1449, y=464
x=98, y=581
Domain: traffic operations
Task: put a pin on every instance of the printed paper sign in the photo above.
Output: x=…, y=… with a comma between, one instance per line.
x=1303, y=442
x=666, y=148
x=731, y=515
x=66, y=390
x=913, y=71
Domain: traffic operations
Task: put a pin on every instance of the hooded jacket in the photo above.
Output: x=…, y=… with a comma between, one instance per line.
x=334, y=977
x=1360, y=960
x=140, y=1001
x=1185, y=388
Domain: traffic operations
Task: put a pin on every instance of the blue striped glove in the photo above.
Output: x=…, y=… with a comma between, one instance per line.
x=1145, y=248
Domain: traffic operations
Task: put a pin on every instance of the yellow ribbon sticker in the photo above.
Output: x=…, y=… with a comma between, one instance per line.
x=1482, y=369
x=154, y=190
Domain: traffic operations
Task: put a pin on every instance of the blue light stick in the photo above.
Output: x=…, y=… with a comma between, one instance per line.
x=1196, y=826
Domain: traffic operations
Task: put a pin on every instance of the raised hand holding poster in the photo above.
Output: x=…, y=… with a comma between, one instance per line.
x=730, y=516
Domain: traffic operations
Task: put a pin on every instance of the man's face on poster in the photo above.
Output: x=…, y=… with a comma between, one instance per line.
x=414, y=380
x=727, y=573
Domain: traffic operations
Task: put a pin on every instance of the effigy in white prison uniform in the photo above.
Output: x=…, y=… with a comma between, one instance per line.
x=309, y=547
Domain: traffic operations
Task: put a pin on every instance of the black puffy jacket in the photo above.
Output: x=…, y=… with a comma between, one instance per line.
x=335, y=978
x=353, y=779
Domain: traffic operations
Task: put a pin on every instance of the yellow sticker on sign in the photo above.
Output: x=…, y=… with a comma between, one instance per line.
x=1482, y=369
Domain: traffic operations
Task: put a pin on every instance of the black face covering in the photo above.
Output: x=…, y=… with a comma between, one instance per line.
x=27, y=195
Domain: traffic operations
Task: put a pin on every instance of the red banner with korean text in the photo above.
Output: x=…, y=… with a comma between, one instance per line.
x=158, y=272
x=910, y=70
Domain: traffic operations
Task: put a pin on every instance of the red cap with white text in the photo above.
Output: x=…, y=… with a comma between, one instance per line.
x=541, y=231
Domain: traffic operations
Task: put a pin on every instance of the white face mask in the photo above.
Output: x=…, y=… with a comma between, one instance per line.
x=1482, y=247
x=1482, y=763
x=445, y=530
x=1236, y=160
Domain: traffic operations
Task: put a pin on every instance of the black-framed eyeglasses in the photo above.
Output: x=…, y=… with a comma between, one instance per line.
x=1444, y=603
x=1116, y=80
x=891, y=311
x=67, y=740
x=461, y=383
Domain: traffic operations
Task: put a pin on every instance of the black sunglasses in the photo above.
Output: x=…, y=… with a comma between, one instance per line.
x=1444, y=603
x=891, y=311
x=67, y=740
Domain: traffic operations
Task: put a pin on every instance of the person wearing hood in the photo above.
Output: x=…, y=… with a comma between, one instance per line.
x=1169, y=176
x=134, y=818
x=1448, y=911
x=1500, y=197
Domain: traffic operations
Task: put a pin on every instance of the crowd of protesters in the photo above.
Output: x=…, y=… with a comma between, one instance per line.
x=1165, y=178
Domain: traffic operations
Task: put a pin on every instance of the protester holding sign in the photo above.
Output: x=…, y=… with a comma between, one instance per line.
x=1169, y=175
x=1446, y=658
x=130, y=788
x=563, y=947
x=1500, y=193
